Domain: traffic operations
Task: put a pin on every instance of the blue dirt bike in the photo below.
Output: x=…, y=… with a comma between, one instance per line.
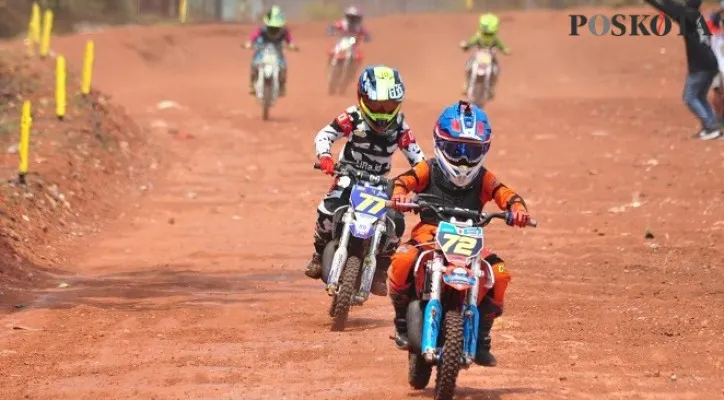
x=443, y=321
x=360, y=230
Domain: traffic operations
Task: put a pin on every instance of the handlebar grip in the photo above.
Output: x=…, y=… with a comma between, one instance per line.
x=391, y=203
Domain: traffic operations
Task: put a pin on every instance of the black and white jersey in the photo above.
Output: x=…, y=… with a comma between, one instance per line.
x=367, y=150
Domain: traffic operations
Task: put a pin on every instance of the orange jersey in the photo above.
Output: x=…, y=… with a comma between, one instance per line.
x=418, y=180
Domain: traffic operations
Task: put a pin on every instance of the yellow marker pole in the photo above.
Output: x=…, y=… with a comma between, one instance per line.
x=26, y=120
x=469, y=4
x=60, y=93
x=33, y=29
x=35, y=23
x=47, y=29
x=85, y=86
x=183, y=11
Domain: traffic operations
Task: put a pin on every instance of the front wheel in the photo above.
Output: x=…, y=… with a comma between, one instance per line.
x=348, y=75
x=347, y=288
x=450, y=361
x=267, y=99
x=333, y=78
x=480, y=91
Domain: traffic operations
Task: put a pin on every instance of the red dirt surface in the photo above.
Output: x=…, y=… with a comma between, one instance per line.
x=199, y=293
x=78, y=167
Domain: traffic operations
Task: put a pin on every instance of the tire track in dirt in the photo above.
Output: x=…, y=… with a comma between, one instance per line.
x=215, y=304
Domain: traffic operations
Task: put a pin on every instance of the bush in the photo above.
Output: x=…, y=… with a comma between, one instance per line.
x=16, y=14
x=322, y=10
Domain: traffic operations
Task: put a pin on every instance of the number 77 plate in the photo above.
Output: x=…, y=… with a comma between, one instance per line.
x=459, y=244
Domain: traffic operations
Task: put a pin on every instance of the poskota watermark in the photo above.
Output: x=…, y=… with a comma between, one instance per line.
x=625, y=25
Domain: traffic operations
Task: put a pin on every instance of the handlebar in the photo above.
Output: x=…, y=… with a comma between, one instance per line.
x=344, y=170
x=481, y=218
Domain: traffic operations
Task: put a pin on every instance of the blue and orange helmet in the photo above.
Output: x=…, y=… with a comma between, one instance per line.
x=461, y=138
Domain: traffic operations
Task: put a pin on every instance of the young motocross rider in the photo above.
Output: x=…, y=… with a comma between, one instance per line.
x=273, y=31
x=462, y=137
x=486, y=36
x=350, y=25
x=374, y=129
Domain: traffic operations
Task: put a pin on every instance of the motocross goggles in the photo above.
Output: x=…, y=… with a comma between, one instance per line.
x=380, y=114
x=463, y=153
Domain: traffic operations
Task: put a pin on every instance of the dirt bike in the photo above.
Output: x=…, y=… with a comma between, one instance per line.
x=716, y=96
x=350, y=259
x=341, y=65
x=267, y=81
x=443, y=320
x=481, y=75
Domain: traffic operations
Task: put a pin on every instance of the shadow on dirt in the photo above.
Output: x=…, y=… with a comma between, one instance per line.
x=159, y=288
x=356, y=324
x=466, y=393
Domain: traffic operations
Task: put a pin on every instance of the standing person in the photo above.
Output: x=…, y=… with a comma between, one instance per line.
x=701, y=61
x=715, y=22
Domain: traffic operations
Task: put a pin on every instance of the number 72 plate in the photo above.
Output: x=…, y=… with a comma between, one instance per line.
x=459, y=244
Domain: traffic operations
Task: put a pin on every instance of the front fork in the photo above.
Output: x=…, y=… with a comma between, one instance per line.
x=369, y=264
x=472, y=79
x=432, y=318
x=433, y=311
x=340, y=255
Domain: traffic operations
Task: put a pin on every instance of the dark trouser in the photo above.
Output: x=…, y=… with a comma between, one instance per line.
x=338, y=197
x=695, y=91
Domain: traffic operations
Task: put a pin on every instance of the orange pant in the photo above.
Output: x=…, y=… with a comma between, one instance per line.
x=399, y=275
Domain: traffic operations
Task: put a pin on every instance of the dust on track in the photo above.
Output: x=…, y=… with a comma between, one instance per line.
x=200, y=293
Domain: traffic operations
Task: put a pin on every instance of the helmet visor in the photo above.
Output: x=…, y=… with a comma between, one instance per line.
x=383, y=107
x=380, y=115
x=463, y=153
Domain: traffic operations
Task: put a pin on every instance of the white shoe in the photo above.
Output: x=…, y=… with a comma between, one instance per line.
x=709, y=135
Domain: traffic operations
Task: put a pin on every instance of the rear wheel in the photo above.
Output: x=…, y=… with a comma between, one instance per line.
x=449, y=364
x=347, y=288
x=418, y=371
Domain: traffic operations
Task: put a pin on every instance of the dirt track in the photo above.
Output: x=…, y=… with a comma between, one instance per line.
x=215, y=306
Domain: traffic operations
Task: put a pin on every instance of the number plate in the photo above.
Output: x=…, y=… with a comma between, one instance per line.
x=483, y=57
x=270, y=58
x=459, y=244
x=369, y=200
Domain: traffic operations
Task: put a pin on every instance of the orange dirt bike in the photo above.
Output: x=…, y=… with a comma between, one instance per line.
x=342, y=65
x=481, y=76
x=349, y=261
x=442, y=321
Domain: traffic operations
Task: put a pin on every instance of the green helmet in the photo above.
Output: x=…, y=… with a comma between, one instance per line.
x=489, y=24
x=274, y=18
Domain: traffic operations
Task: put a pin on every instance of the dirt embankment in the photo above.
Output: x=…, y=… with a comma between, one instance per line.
x=79, y=170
